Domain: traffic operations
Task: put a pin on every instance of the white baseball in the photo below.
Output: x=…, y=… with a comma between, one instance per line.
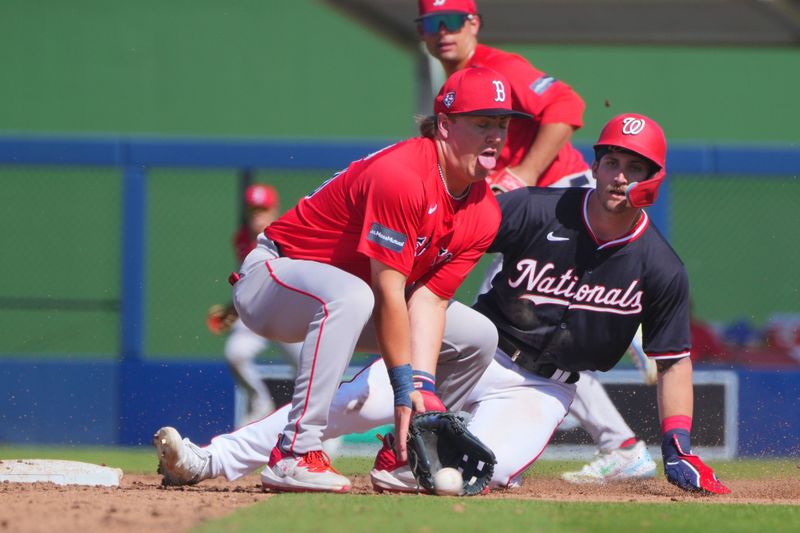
x=448, y=482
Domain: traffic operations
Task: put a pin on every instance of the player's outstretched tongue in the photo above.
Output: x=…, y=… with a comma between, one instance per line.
x=487, y=161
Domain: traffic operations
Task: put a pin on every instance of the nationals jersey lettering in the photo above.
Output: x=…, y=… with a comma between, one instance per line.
x=566, y=298
x=595, y=298
x=392, y=207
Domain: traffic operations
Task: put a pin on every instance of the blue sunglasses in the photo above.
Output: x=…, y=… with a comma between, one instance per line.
x=451, y=21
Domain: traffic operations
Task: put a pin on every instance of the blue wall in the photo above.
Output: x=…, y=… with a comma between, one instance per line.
x=106, y=403
x=769, y=413
x=82, y=403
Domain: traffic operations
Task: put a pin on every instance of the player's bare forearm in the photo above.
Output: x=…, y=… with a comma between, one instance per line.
x=427, y=314
x=675, y=391
x=544, y=149
x=391, y=314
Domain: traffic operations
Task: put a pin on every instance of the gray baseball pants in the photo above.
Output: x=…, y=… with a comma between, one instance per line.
x=330, y=311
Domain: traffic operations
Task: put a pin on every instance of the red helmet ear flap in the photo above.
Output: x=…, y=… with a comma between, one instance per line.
x=645, y=193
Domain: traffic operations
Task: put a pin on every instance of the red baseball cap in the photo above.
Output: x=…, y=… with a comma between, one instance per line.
x=261, y=196
x=476, y=91
x=437, y=7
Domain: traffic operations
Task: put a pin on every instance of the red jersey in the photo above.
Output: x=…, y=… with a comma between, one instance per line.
x=392, y=206
x=243, y=244
x=546, y=99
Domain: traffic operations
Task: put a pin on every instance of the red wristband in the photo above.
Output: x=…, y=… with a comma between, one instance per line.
x=676, y=422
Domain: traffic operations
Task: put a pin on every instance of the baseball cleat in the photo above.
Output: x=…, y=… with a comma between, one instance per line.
x=616, y=465
x=311, y=472
x=181, y=462
x=390, y=475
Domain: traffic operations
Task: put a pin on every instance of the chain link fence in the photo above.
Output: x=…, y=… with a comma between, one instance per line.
x=62, y=234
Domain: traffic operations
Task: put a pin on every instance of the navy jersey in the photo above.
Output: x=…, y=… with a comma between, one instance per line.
x=565, y=298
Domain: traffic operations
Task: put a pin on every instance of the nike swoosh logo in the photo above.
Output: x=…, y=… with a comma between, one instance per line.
x=551, y=237
x=433, y=209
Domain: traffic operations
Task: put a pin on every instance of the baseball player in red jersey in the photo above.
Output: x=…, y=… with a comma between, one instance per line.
x=369, y=261
x=582, y=269
x=538, y=152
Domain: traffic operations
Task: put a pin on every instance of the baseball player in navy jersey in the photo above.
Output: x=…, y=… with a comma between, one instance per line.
x=369, y=262
x=539, y=152
x=582, y=269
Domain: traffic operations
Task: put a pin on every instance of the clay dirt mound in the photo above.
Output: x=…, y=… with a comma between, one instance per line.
x=141, y=504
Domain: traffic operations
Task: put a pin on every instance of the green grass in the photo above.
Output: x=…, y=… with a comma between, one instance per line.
x=388, y=514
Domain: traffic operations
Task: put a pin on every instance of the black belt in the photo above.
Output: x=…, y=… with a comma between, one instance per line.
x=545, y=370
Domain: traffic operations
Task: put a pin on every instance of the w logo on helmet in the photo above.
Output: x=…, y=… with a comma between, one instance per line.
x=632, y=126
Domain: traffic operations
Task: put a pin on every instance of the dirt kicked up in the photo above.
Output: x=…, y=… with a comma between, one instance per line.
x=141, y=504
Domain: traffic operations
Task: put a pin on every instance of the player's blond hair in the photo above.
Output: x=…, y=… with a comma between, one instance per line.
x=427, y=125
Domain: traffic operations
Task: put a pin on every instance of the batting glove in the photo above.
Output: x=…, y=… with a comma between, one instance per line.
x=685, y=469
x=432, y=402
x=504, y=181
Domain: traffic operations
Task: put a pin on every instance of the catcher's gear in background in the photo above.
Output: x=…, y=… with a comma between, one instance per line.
x=220, y=318
x=441, y=439
x=504, y=181
x=685, y=469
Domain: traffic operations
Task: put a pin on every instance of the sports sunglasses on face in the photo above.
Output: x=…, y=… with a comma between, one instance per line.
x=452, y=22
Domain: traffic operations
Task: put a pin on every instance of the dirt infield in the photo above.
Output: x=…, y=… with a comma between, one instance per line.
x=141, y=504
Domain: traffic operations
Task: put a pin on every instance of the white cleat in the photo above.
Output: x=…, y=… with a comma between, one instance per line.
x=388, y=474
x=181, y=462
x=616, y=465
x=311, y=472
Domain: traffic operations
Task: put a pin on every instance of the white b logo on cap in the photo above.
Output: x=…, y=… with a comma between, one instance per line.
x=632, y=126
x=438, y=3
x=500, y=91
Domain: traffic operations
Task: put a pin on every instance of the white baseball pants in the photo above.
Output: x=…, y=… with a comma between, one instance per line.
x=513, y=411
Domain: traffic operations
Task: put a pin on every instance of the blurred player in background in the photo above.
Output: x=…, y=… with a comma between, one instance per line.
x=262, y=205
x=539, y=152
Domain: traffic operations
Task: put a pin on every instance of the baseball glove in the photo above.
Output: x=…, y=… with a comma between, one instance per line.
x=441, y=439
x=504, y=181
x=220, y=318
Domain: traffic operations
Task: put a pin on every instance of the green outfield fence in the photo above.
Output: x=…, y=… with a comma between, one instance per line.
x=117, y=246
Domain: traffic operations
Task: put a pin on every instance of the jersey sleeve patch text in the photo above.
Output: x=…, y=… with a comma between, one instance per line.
x=542, y=84
x=386, y=237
